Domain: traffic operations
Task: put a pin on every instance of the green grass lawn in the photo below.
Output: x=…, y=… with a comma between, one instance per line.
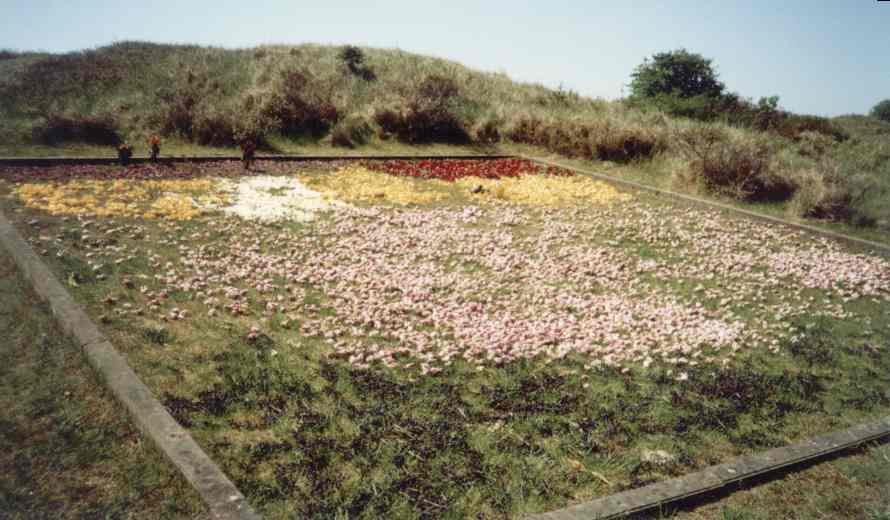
x=473, y=360
x=67, y=449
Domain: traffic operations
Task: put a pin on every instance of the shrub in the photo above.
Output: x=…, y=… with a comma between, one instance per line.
x=8, y=55
x=792, y=126
x=848, y=184
x=180, y=102
x=295, y=110
x=92, y=130
x=487, y=132
x=431, y=112
x=350, y=133
x=249, y=127
x=820, y=196
x=735, y=166
x=430, y=115
x=354, y=59
x=602, y=141
x=436, y=125
x=814, y=144
x=882, y=111
x=526, y=130
x=214, y=129
x=389, y=121
x=827, y=191
x=624, y=144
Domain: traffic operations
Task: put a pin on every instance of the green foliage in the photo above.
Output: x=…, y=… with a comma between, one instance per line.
x=677, y=73
x=882, y=111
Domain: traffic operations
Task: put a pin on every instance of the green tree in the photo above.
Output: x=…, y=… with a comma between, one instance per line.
x=679, y=73
x=882, y=111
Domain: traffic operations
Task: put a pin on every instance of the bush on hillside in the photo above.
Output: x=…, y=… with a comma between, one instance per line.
x=822, y=194
x=430, y=115
x=738, y=167
x=850, y=183
x=354, y=59
x=388, y=121
x=626, y=143
x=296, y=109
x=214, y=128
x=58, y=129
x=352, y=132
x=601, y=141
x=179, y=103
x=487, y=132
x=814, y=144
x=766, y=116
x=882, y=111
x=792, y=126
x=8, y=55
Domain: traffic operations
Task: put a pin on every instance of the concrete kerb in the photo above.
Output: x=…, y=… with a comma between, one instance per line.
x=716, y=477
x=860, y=243
x=223, y=499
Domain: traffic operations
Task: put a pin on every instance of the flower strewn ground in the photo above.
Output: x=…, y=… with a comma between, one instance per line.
x=150, y=199
x=512, y=183
x=465, y=345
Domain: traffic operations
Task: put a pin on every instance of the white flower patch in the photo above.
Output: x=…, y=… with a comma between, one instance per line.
x=270, y=198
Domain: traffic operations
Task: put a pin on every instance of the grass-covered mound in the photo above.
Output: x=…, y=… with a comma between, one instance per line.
x=312, y=97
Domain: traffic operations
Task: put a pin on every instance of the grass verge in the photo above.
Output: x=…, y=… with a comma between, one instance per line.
x=66, y=448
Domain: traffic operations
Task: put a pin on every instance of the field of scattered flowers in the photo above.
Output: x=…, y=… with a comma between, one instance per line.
x=458, y=338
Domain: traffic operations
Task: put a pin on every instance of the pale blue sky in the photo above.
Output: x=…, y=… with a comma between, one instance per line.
x=825, y=57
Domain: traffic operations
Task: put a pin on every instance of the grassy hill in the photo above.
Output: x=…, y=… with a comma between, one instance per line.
x=305, y=92
x=309, y=98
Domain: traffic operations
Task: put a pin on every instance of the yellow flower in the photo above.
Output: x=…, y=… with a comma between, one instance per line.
x=359, y=184
x=173, y=199
x=544, y=190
